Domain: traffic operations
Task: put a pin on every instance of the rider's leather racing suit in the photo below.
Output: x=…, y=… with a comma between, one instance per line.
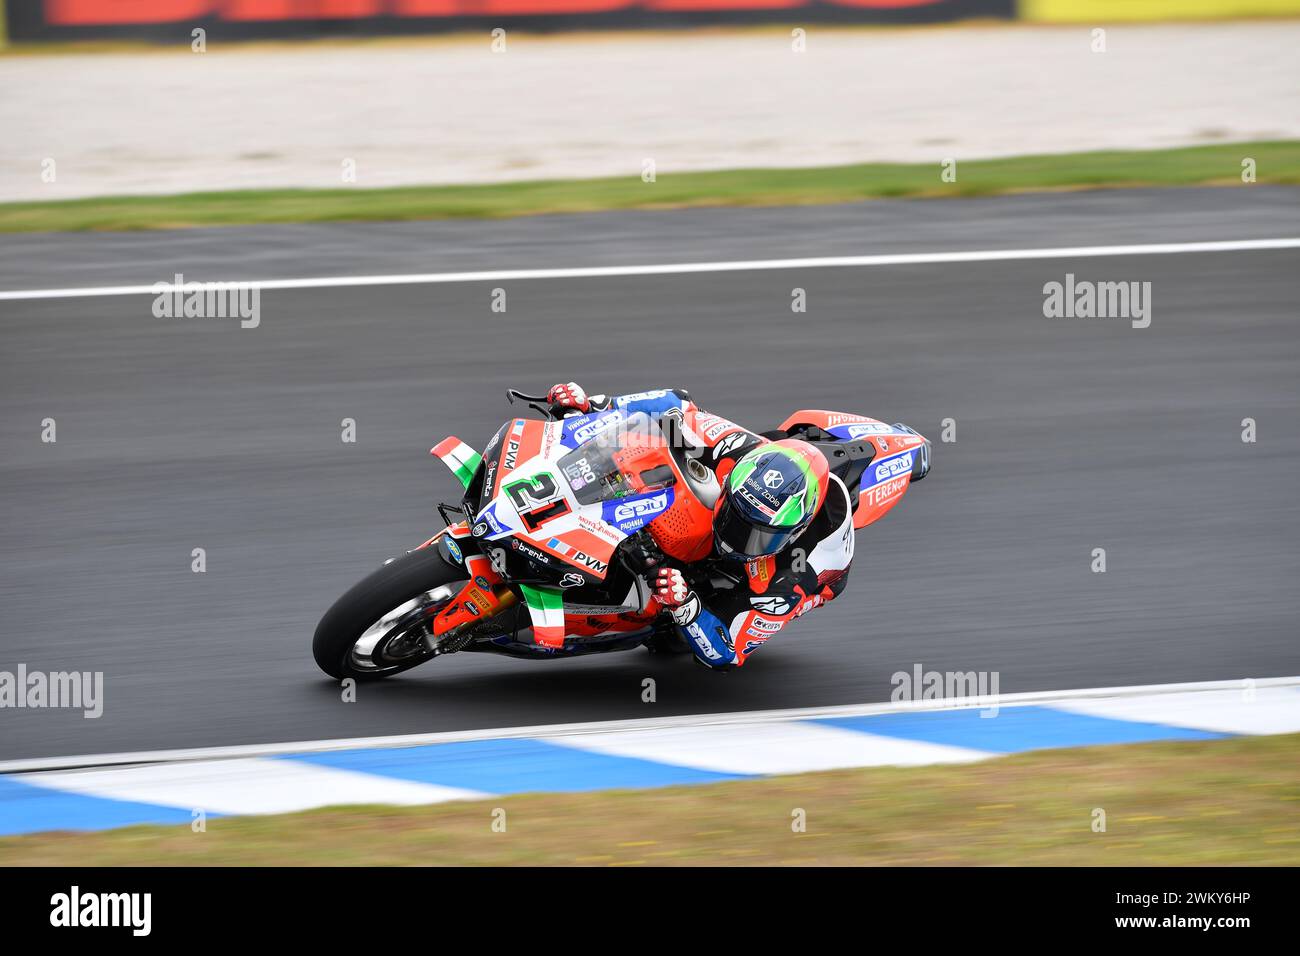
x=741, y=605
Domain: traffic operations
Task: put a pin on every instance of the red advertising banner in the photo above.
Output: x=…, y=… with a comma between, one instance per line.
x=118, y=18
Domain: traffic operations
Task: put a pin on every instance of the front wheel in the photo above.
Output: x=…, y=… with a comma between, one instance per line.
x=380, y=627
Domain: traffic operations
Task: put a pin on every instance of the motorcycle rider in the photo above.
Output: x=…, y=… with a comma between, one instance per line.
x=782, y=527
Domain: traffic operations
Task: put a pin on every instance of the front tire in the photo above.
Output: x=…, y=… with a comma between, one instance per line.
x=378, y=627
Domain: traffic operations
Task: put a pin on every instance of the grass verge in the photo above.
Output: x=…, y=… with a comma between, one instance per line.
x=1276, y=162
x=1221, y=802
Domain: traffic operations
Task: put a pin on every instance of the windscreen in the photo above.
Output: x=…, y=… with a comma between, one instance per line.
x=629, y=457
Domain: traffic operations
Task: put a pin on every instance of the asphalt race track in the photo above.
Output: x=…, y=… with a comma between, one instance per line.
x=175, y=434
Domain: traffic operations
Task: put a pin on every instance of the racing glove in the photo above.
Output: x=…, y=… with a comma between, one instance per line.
x=566, y=396
x=671, y=590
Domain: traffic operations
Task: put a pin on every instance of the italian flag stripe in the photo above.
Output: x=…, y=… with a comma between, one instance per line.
x=546, y=608
x=459, y=457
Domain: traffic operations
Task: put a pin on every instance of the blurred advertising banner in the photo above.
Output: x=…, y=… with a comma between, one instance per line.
x=172, y=19
x=1112, y=11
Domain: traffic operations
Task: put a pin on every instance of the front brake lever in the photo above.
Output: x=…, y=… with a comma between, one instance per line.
x=544, y=410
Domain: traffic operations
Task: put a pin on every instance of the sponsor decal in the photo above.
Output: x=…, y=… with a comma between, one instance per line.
x=775, y=604
x=899, y=465
x=482, y=582
x=590, y=428
x=599, y=529
x=879, y=494
x=590, y=561
x=548, y=441
x=624, y=400
x=773, y=478
x=711, y=427
x=633, y=514
x=760, y=571
x=571, y=580
x=540, y=557
x=489, y=518
x=869, y=428
x=753, y=500
x=751, y=646
x=573, y=555
x=472, y=608
x=513, y=441
x=512, y=454
x=579, y=474
x=479, y=529
x=763, y=624
x=840, y=419
x=454, y=549
x=702, y=641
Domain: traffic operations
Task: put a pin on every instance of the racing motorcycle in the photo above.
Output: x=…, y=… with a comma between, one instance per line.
x=561, y=519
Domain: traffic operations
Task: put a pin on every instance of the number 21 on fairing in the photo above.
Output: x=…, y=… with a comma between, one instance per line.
x=541, y=492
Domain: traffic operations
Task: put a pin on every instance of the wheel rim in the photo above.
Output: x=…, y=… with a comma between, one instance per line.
x=401, y=638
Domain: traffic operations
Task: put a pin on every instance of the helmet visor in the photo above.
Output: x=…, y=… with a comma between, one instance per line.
x=738, y=538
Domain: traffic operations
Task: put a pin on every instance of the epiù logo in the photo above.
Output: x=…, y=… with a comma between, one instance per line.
x=773, y=478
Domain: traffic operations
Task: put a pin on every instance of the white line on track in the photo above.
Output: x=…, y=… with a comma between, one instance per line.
x=650, y=723
x=677, y=268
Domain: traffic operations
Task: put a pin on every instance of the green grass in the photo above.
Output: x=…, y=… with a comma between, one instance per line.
x=1217, y=802
x=1277, y=162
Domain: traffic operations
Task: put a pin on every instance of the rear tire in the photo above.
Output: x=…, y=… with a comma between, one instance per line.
x=365, y=604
